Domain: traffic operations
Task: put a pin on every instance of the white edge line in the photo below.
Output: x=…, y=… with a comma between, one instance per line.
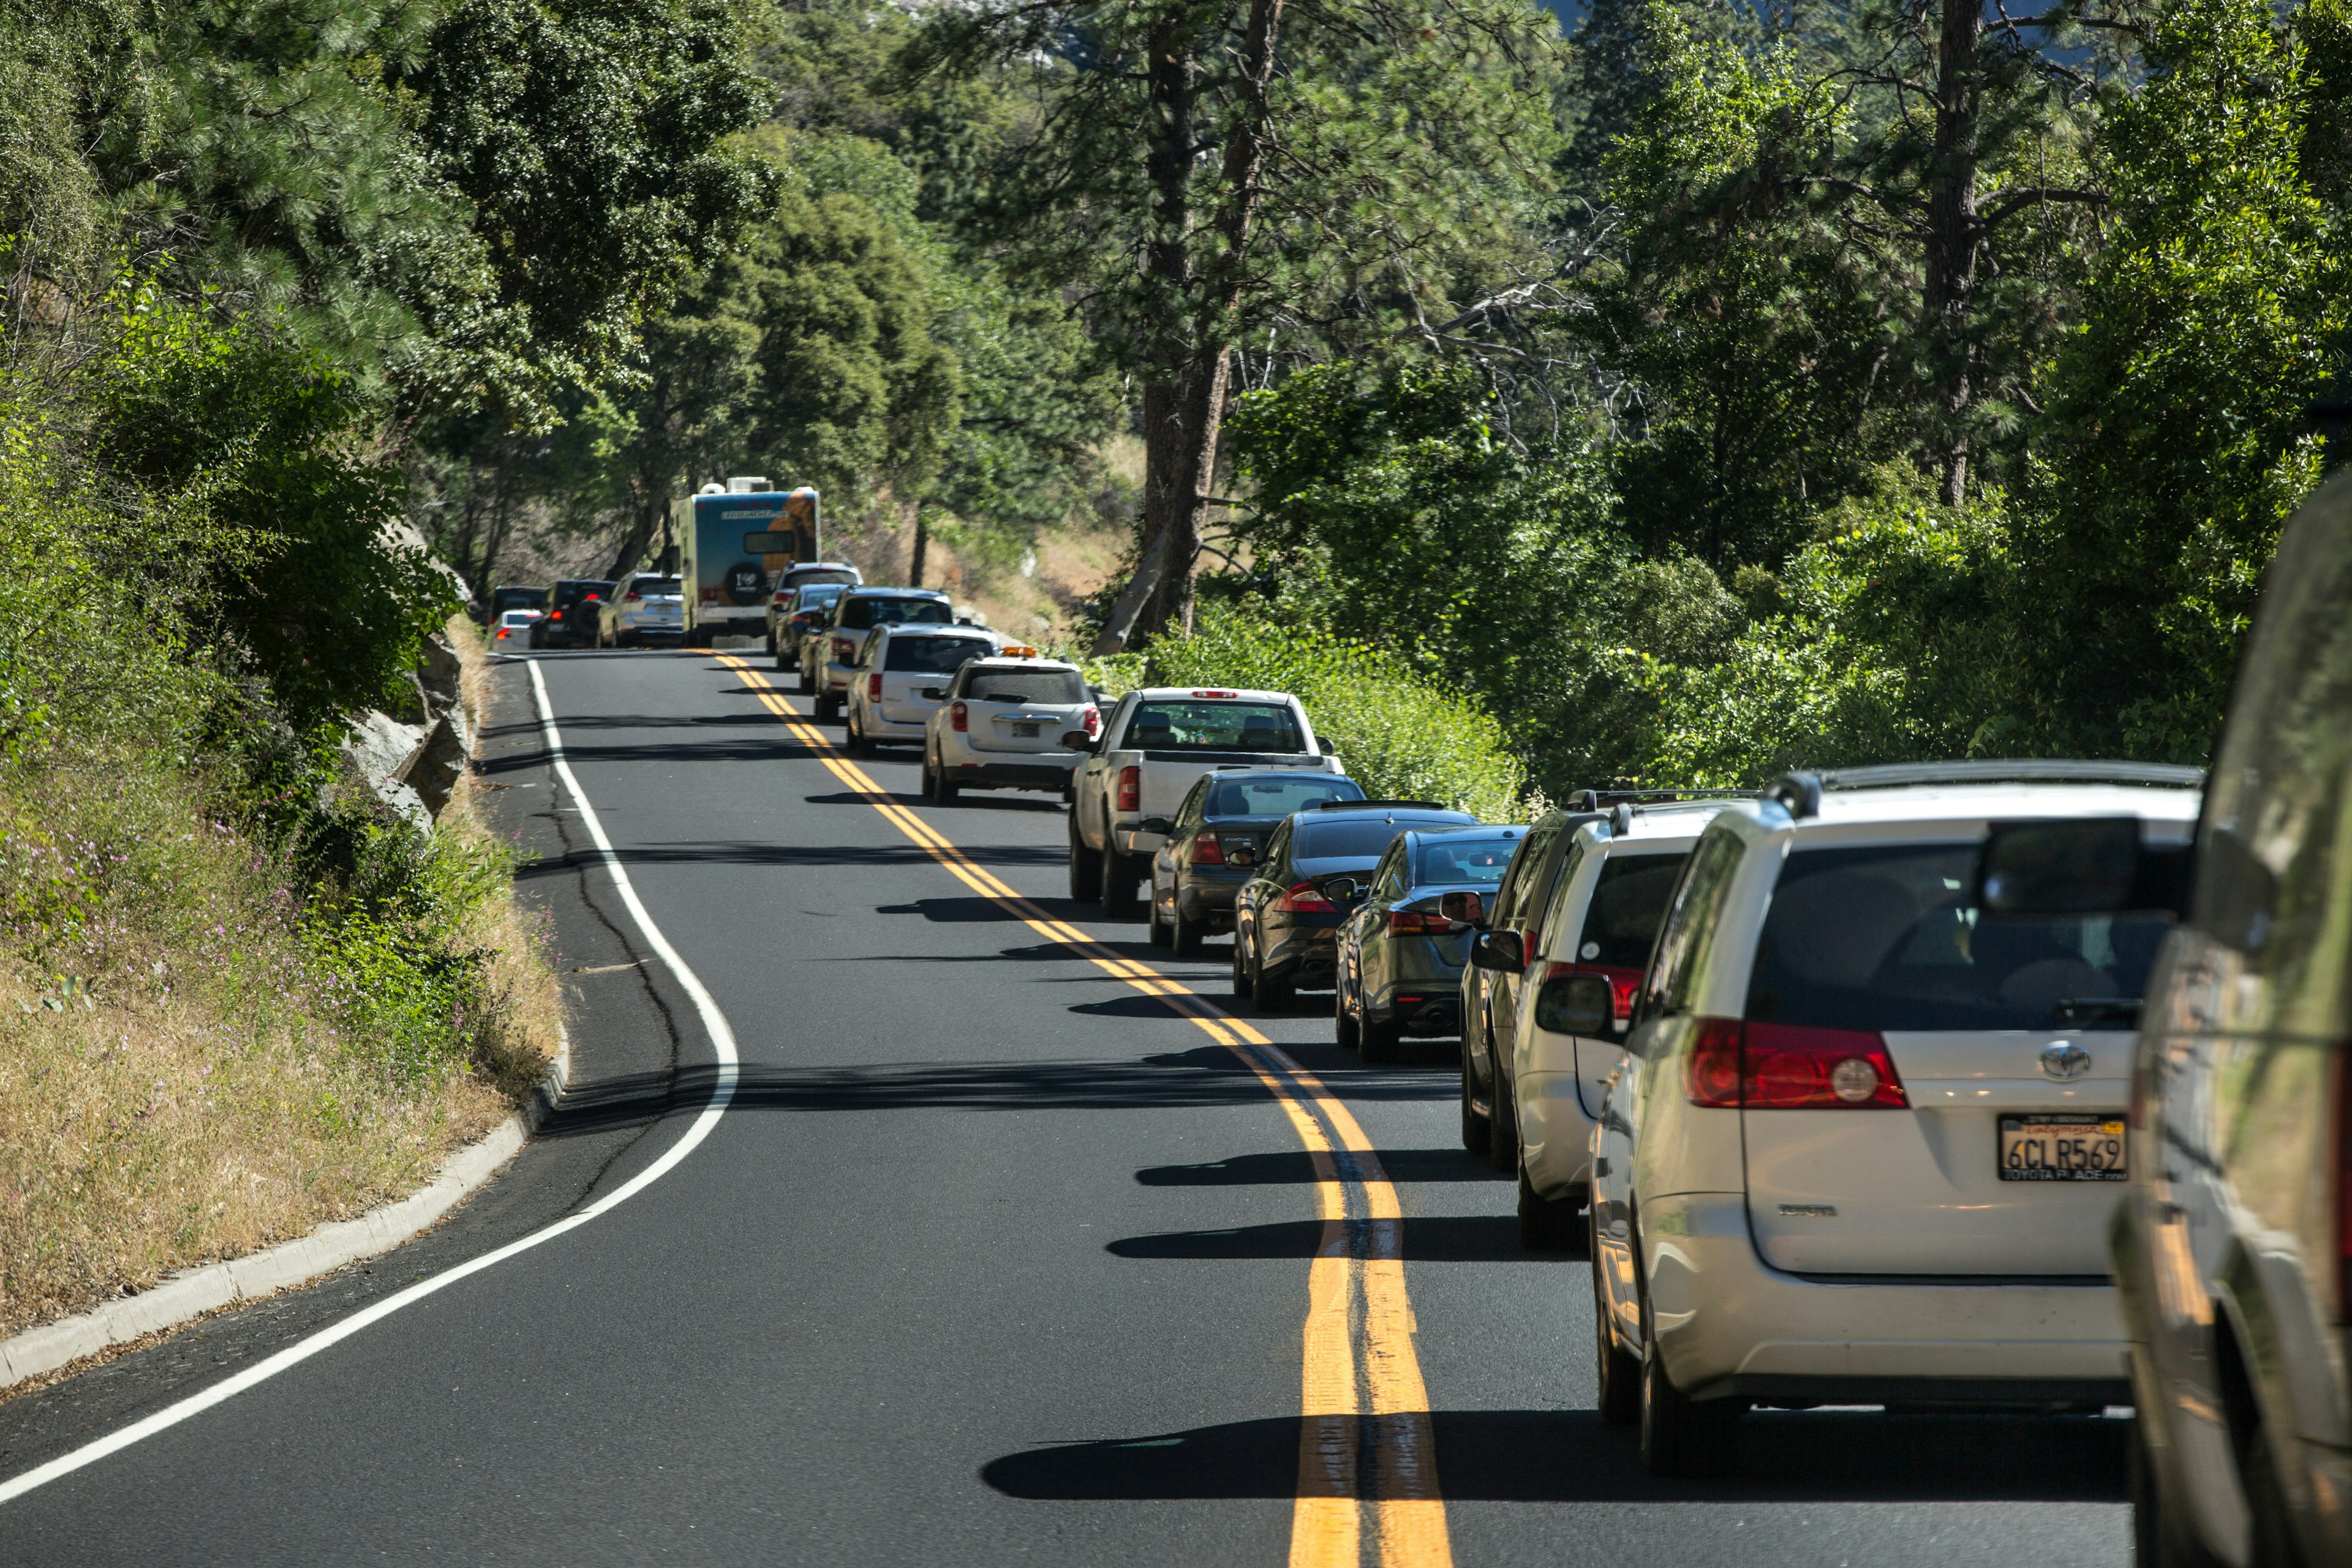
x=722, y=1041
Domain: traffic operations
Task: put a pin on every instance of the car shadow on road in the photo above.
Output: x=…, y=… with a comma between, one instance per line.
x=1443, y=1238
x=1294, y=1168
x=1570, y=1456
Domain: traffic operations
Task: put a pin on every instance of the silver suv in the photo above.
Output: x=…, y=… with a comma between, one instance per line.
x=2232, y=1247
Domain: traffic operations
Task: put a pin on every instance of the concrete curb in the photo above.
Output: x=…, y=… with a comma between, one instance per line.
x=331, y=1247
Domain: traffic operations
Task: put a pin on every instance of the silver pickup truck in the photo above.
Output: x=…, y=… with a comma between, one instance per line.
x=1137, y=773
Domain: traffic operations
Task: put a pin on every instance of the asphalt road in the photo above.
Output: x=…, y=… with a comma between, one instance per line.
x=993, y=1256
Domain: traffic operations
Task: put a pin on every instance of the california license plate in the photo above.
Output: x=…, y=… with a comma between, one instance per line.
x=1025, y=732
x=2062, y=1148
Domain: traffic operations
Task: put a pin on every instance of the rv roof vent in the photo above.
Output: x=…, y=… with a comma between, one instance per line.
x=746, y=484
x=713, y=489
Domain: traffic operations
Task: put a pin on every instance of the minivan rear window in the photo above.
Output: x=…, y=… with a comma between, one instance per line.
x=1057, y=687
x=933, y=655
x=655, y=585
x=1629, y=905
x=1885, y=938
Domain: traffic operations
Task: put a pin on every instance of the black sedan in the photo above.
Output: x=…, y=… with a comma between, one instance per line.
x=1284, y=930
x=1213, y=842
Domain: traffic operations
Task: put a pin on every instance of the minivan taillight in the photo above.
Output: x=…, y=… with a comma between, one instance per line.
x=874, y=687
x=960, y=718
x=1130, y=788
x=1790, y=1067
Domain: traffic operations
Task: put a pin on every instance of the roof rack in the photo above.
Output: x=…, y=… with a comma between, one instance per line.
x=1600, y=800
x=1801, y=792
x=1369, y=805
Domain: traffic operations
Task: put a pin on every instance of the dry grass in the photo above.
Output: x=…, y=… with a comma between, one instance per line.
x=182, y=1071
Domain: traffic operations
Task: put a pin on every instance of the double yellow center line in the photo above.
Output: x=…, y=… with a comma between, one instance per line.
x=1367, y=1466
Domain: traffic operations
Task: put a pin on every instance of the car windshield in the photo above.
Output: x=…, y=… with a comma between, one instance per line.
x=1060, y=688
x=858, y=614
x=932, y=656
x=1361, y=838
x=1885, y=938
x=1629, y=904
x=650, y=586
x=1278, y=797
x=1475, y=859
x=1211, y=726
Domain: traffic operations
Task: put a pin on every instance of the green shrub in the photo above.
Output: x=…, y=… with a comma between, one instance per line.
x=1399, y=736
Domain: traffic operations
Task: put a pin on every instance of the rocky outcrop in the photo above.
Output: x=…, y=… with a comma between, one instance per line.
x=414, y=755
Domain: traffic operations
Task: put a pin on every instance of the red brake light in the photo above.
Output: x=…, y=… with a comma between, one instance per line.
x=1130, y=788
x=502, y=631
x=1216, y=694
x=1305, y=898
x=1093, y=720
x=709, y=595
x=1414, y=922
x=959, y=718
x=874, y=687
x=633, y=595
x=843, y=650
x=1207, y=851
x=1712, y=1073
x=1791, y=1067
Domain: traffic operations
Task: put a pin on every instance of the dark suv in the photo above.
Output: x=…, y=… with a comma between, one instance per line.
x=1286, y=930
x=571, y=612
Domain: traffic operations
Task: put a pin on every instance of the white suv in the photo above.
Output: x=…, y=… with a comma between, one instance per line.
x=1002, y=723
x=648, y=608
x=1565, y=1035
x=902, y=677
x=1865, y=1141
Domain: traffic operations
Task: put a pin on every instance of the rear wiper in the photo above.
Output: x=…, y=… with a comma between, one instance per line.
x=2096, y=1009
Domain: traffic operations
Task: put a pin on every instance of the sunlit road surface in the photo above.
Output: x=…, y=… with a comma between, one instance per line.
x=1018, y=1240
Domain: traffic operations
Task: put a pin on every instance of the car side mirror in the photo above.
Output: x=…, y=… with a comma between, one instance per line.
x=1503, y=952
x=1159, y=825
x=1578, y=1004
x=1343, y=889
x=2084, y=866
x=1463, y=909
x=1076, y=741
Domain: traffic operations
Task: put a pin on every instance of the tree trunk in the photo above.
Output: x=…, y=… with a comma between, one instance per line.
x=1953, y=234
x=922, y=546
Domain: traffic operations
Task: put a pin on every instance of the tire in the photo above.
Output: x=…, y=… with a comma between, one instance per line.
x=808, y=686
x=1344, y=1028
x=1118, y=880
x=1475, y=1128
x=829, y=708
x=1085, y=867
x=1503, y=1130
x=1546, y=1225
x=1185, y=935
x=947, y=792
x=1381, y=1039
x=1241, y=982
x=2158, y=1539
x=930, y=779
x=2274, y=1526
x=1616, y=1372
x=855, y=738
x=780, y=661
x=1682, y=1436
x=1155, y=930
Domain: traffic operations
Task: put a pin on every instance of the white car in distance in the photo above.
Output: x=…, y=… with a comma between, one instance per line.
x=1866, y=1137
x=1000, y=724
x=901, y=677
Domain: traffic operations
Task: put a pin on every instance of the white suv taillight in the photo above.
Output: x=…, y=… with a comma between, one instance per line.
x=959, y=718
x=1788, y=1066
x=874, y=687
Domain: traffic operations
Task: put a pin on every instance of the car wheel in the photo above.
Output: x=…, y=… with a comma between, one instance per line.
x=1381, y=1039
x=1475, y=1125
x=828, y=708
x=1681, y=1435
x=1155, y=930
x=1118, y=880
x=1085, y=867
x=1503, y=1126
x=1344, y=1028
x=808, y=685
x=780, y=661
x=1616, y=1370
x=1546, y=1225
x=855, y=737
x=2158, y=1539
x=1184, y=934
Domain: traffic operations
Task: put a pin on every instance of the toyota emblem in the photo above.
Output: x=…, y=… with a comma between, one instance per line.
x=2064, y=1060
